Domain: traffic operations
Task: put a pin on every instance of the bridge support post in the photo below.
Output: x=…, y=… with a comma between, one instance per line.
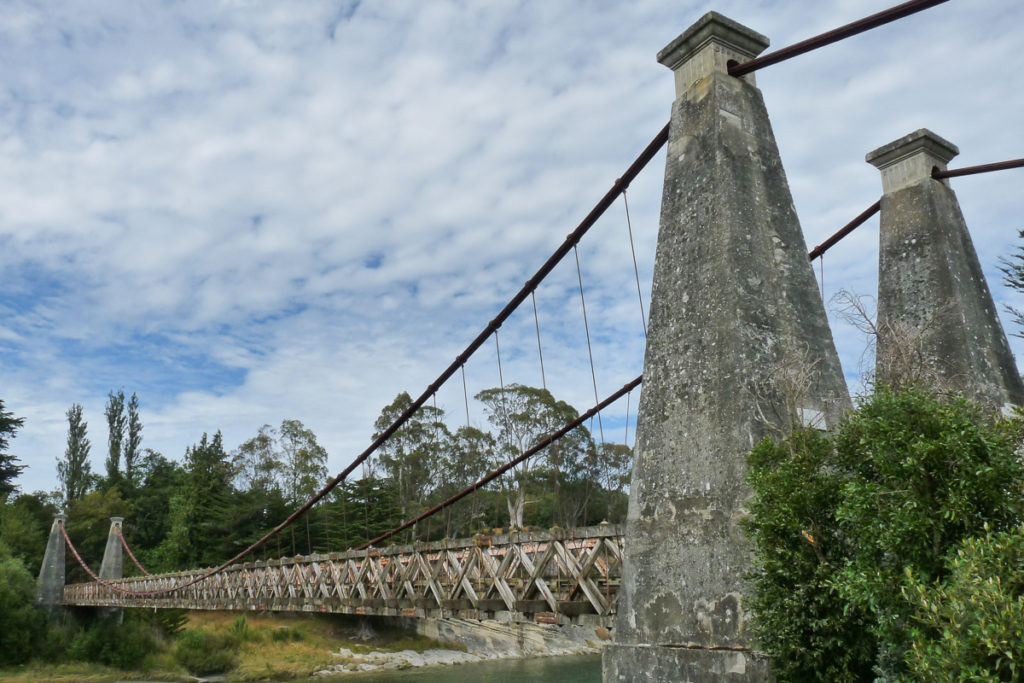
x=113, y=564
x=50, y=584
x=937, y=323
x=738, y=347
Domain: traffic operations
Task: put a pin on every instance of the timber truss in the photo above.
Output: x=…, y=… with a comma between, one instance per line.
x=551, y=577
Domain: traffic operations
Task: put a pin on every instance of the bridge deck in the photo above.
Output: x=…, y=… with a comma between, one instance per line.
x=546, y=577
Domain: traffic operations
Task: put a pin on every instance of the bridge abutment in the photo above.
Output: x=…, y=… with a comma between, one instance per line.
x=738, y=347
x=937, y=323
x=50, y=584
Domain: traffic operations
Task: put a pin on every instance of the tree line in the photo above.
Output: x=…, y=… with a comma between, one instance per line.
x=203, y=508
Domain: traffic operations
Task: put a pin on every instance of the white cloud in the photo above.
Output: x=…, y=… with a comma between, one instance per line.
x=251, y=211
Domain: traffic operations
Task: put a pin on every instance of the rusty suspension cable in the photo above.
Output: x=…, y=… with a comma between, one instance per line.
x=533, y=450
x=845, y=230
x=984, y=168
x=124, y=544
x=570, y=241
x=833, y=36
x=90, y=572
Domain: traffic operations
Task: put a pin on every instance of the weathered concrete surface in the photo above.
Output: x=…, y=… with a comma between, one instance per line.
x=113, y=557
x=738, y=347
x=50, y=584
x=936, y=319
x=113, y=565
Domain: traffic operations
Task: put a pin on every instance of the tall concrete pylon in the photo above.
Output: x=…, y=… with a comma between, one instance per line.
x=50, y=584
x=113, y=564
x=738, y=347
x=936, y=320
x=113, y=557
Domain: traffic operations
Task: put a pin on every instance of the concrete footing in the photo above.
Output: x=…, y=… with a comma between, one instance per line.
x=661, y=663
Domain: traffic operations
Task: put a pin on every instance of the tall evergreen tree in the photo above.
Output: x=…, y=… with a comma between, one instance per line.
x=9, y=467
x=115, y=430
x=74, y=469
x=133, y=442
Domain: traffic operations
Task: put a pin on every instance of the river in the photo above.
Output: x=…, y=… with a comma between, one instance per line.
x=581, y=669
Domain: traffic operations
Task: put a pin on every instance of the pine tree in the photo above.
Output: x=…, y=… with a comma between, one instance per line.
x=74, y=469
x=9, y=467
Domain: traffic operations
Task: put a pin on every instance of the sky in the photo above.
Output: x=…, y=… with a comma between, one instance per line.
x=248, y=211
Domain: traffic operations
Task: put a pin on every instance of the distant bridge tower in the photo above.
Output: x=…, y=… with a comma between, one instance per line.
x=50, y=585
x=738, y=347
x=937, y=323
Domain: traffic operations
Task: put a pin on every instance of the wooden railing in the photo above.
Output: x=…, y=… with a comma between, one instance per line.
x=567, y=576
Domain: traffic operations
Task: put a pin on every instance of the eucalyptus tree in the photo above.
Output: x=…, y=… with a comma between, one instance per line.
x=523, y=416
x=412, y=457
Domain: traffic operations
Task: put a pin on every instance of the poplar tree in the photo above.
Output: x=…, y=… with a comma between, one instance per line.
x=74, y=469
x=133, y=443
x=115, y=430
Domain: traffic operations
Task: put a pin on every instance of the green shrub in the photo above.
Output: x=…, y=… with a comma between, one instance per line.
x=22, y=626
x=170, y=622
x=812, y=632
x=286, y=635
x=838, y=520
x=971, y=625
x=204, y=652
x=104, y=641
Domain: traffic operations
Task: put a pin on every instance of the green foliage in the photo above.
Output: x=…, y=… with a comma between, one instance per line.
x=24, y=526
x=811, y=631
x=116, y=423
x=9, y=467
x=74, y=469
x=22, y=626
x=971, y=625
x=133, y=440
x=240, y=630
x=1013, y=277
x=88, y=525
x=205, y=652
x=123, y=646
x=286, y=635
x=170, y=622
x=839, y=520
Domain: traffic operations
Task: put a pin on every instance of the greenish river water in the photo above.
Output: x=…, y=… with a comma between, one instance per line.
x=584, y=669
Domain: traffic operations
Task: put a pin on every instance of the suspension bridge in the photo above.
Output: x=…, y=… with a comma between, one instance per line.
x=735, y=318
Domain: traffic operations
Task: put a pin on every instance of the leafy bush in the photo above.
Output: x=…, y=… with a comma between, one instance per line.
x=811, y=631
x=124, y=646
x=838, y=520
x=22, y=626
x=971, y=626
x=204, y=652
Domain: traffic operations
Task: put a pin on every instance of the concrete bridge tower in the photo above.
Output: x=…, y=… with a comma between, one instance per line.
x=738, y=347
x=937, y=323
